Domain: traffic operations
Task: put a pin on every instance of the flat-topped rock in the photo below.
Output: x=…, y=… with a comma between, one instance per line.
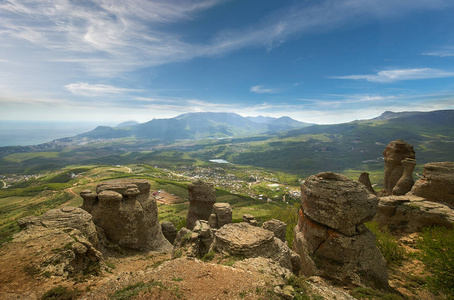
x=337, y=201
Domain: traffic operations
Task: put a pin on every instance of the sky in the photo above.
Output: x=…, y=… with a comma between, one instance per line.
x=317, y=61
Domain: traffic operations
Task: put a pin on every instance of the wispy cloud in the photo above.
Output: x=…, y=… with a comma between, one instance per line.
x=92, y=90
x=444, y=52
x=397, y=75
x=109, y=36
x=259, y=89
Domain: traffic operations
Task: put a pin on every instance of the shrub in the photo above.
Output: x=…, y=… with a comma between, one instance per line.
x=60, y=293
x=289, y=215
x=436, y=245
x=387, y=243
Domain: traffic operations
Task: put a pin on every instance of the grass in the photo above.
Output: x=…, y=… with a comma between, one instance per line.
x=436, y=245
x=60, y=293
x=387, y=244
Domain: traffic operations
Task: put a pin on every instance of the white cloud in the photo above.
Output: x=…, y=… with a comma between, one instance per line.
x=259, y=89
x=86, y=89
x=397, y=75
x=444, y=52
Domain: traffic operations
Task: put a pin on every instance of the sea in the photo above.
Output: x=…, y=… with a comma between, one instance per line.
x=25, y=133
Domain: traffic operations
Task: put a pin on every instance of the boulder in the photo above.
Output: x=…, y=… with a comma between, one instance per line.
x=394, y=154
x=60, y=242
x=337, y=202
x=195, y=243
x=202, y=196
x=250, y=219
x=364, y=179
x=437, y=183
x=247, y=241
x=331, y=238
x=169, y=231
x=126, y=213
x=411, y=213
x=222, y=215
x=279, y=228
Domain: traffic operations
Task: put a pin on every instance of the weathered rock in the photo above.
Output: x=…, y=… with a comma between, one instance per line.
x=364, y=179
x=127, y=214
x=64, y=237
x=333, y=242
x=223, y=213
x=410, y=213
x=437, y=183
x=337, y=202
x=250, y=219
x=279, y=228
x=245, y=240
x=202, y=196
x=169, y=231
x=405, y=182
x=195, y=243
x=394, y=154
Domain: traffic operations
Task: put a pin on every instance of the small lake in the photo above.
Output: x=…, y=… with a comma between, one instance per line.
x=219, y=161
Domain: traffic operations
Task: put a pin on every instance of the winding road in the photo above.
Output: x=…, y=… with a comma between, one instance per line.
x=4, y=184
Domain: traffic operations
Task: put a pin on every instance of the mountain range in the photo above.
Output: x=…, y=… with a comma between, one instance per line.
x=196, y=126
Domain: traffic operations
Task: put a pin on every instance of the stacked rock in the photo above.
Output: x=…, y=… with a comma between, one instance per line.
x=330, y=236
x=126, y=213
x=202, y=196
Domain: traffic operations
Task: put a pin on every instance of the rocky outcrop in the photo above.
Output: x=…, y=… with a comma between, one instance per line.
x=169, y=231
x=437, y=183
x=195, y=243
x=330, y=236
x=364, y=179
x=410, y=213
x=202, y=196
x=250, y=219
x=279, y=228
x=64, y=239
x=127, y=214
x=395, y=153
x=222, y=214
x=247, y=241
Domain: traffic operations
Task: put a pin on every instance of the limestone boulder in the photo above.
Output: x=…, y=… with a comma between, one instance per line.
x=127, y=214
x=60, y=242
x=169, y=231
x=195, y=243
x=223, y=214
x=250, y=219
x=245, y=240
x=437, y=183
x=364, y=179
x=394, y=153
x=330, y=236
x=338, y=202
x=278, y=227
x=202, y=196
x=411, y=213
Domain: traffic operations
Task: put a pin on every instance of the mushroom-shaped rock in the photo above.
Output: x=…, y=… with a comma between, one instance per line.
x=394, y=153
x=202, y=196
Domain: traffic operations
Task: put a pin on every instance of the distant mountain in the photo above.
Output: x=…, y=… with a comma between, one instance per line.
x=196, y=126
x=127, y=124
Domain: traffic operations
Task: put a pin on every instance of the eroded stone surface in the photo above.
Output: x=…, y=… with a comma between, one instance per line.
x=394, y=153
x=437, y=183
x=126, y=213
x=202, y=196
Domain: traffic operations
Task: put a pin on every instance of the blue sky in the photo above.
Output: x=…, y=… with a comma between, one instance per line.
x=316, y=61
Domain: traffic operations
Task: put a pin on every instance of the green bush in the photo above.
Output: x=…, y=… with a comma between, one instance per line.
x=436, y=245
x=387, y=243
x=60, y=293
x=289, y=215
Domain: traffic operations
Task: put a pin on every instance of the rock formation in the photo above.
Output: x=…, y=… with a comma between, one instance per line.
x=410, y=213
x=437, y=183
x=279, y=228
x=245, y=240
x=364, y=179
x=169, y=231
x=195, y=243
x=126, y=213
x=62, y=242
x=250, y=219
x=330, y=236
x=394, y=154
x=222, y=214
x=202, y=196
